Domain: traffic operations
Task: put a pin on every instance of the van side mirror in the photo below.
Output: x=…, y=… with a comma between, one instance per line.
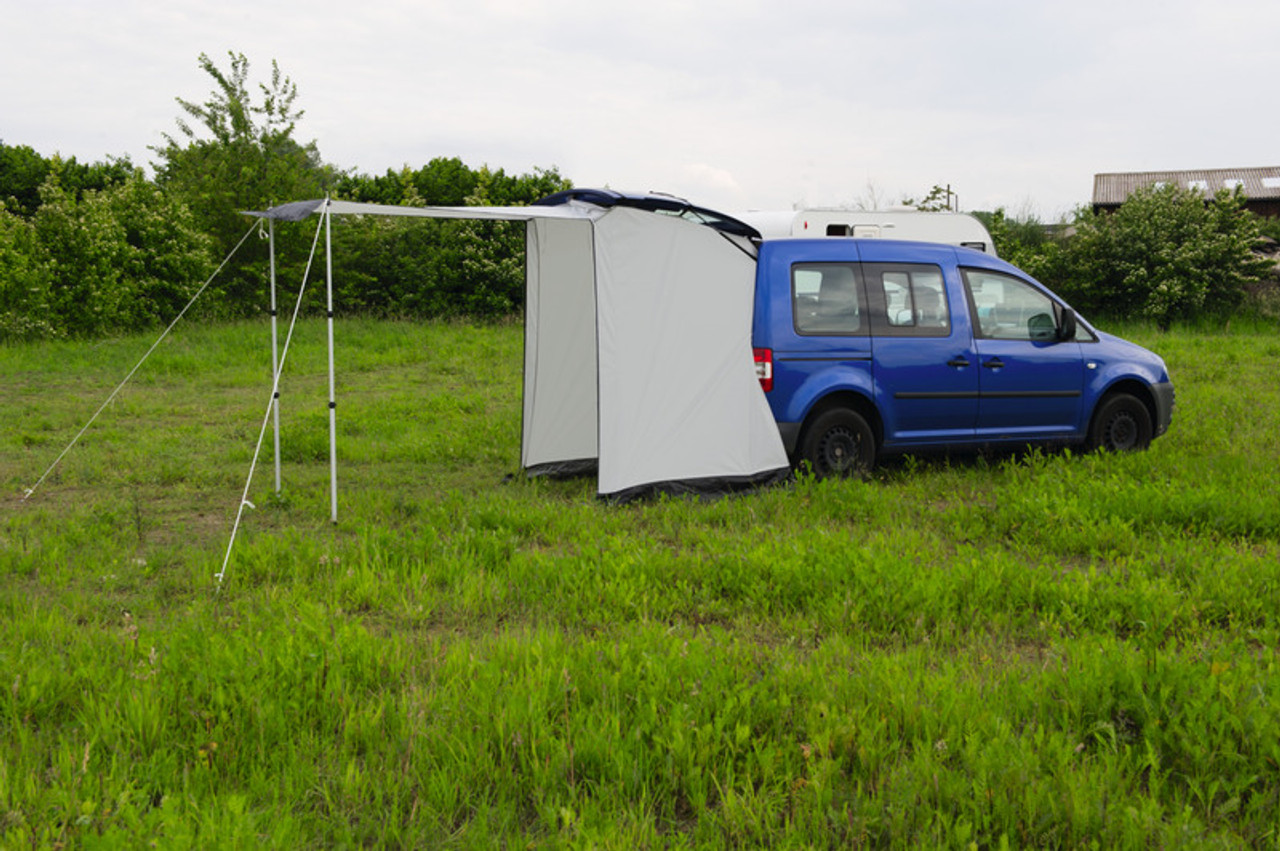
x=1067, y=324
x=1040, y=327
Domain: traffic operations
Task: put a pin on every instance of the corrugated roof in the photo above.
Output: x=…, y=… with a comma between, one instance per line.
x=1254, y=182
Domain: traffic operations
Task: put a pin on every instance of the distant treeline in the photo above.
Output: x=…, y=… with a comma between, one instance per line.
x=1168, y=254
x=102, y=248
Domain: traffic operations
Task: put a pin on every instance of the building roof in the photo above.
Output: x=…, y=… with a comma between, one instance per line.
x=1256, y=183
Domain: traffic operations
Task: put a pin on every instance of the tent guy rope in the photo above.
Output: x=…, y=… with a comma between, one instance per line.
x=136, y=366
x=271, y=404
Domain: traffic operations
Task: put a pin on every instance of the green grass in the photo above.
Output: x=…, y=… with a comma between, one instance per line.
x=1046, y=650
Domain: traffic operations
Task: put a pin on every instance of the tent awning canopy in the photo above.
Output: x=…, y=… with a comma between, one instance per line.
x=638, y=352
x=296, y=211
x=571, y=203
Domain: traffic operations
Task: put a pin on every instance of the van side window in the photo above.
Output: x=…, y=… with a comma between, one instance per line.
x=910, y=300
x=1008, y=308
x=826, y=298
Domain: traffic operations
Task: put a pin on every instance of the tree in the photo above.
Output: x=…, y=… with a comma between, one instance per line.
x=121, y=259
x=24, y=281
x=1167, y=254
x=236, y=153
x=437, y=267
x=22, y=171
x=938, y=200
x=1022, y=239
x=872, y=198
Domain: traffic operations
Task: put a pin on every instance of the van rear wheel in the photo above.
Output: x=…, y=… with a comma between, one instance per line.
x=839, y=443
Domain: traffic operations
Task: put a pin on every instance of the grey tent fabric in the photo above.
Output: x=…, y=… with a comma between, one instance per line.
x=295, y=212
x=679, y=397
x=560, y=366
x=637, y=346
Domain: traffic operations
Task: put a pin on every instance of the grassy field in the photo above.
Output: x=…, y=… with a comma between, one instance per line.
x=1049, y=650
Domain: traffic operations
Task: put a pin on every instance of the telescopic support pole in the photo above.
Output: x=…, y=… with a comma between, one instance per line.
x=275, y=348
x=333, y=404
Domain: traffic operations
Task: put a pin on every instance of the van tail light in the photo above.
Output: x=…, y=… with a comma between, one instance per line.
x=764, y=368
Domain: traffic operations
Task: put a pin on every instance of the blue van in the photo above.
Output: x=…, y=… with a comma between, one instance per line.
x=866, y=347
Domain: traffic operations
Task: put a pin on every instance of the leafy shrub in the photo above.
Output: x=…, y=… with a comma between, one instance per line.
x=1021, y=239
x=236, y=154
x=23, y=171
x=24, y=281
x=436, y=268
x=121, y=259
x=1167, y=254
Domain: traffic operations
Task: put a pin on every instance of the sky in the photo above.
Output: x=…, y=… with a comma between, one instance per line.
x=742, y=105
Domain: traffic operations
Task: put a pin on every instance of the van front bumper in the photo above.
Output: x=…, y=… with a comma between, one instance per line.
x=1164, y=396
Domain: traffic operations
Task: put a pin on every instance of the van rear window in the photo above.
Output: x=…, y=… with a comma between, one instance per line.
x=827, y=298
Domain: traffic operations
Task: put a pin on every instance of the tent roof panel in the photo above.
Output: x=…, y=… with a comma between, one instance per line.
x=655, y=203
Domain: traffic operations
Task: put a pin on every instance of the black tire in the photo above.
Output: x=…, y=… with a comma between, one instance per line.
x=837, y=444
x=1121, y=424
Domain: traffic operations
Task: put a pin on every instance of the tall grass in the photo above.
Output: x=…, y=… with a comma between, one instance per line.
x=1046, y=649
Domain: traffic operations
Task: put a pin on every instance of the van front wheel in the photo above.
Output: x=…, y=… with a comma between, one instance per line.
x=1121, y=424
x=839, y=443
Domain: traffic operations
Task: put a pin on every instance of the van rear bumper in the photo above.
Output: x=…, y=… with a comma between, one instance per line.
x=1164, y=395
x=790, y=437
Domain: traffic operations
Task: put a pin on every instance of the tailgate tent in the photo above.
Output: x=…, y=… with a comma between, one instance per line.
x=637, y=346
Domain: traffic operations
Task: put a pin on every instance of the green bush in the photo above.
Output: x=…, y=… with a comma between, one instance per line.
x=24, y=282
x=234, y=153
x=436, y=268
x=122, y=259
x=1167, y=254
x=23, y=171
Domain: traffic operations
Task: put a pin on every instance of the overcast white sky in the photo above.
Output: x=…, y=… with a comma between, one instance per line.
x=733, y=105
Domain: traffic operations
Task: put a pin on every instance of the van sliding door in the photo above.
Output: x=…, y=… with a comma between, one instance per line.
x=925, y=366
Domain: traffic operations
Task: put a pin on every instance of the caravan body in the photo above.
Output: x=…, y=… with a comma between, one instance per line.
x=951, y=228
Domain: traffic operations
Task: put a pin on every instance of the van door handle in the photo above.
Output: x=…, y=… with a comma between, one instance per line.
x=958, y=362
x=994, y=363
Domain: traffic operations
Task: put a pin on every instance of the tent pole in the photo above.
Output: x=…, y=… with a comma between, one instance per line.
x=275, y=348
x=333, y=405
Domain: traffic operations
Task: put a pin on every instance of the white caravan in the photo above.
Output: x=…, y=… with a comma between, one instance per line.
x=951, y=228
